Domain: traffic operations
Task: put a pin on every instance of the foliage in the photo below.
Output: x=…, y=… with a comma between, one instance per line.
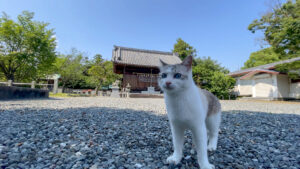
x=292, y=69
x=27, y=47
x=78, y=72
x=281, y=29
x=101, y=72
x=207, y=73
x=2, y=77
x=221, y=84
x=70, y=67
x=210, y=75
x=261, y=57
x=183, y=49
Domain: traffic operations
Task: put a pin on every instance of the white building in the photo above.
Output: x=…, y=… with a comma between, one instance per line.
x=265, y=82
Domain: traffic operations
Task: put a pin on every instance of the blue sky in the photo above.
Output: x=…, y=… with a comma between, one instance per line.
x=216, y=28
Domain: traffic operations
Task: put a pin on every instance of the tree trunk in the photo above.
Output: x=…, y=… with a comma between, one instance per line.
x=9, y=76
x=63, y=87
x=7, y=73
x=96, y=89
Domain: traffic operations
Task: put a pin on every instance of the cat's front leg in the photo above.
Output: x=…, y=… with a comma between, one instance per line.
x=200, y=136
x=178, y=140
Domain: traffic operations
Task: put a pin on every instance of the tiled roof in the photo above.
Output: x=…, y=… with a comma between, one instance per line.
x=142, y=57
x=248, y=75
x=267, y=66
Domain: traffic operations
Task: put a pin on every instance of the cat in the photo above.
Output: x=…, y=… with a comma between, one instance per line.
x=189, y=107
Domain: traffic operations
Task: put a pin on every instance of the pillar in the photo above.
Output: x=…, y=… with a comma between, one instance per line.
x=55, y=86
x=9, y=83
x=32, y=84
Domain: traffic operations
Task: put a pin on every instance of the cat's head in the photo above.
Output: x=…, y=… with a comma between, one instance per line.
x=174, y=78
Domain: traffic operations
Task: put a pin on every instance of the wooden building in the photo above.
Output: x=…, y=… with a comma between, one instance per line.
x=140, y=67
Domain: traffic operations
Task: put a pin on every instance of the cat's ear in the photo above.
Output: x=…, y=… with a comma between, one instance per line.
x=187, y=62
x=162, y=63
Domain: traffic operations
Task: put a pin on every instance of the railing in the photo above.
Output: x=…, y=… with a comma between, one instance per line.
x=33, y=84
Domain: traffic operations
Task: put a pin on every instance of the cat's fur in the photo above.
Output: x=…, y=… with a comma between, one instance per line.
x=190, y=108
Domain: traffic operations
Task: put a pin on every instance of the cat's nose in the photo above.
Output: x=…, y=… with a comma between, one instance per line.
x=168, y=83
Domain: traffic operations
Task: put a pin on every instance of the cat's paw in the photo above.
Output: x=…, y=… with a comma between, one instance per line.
x=174, y=159
x=208, y=166
x=211, y=147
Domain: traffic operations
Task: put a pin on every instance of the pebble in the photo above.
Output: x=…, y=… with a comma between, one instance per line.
x=95, y=166
x=63, y=145
x=95, y=132
x=138, y=165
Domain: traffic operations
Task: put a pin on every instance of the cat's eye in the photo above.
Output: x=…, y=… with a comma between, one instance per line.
x=163, y=75
x=177, y=76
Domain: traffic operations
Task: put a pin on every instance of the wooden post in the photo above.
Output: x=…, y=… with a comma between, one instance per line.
x=124, y=71
x=9, y=83
x=32, y=84
x=151, y=79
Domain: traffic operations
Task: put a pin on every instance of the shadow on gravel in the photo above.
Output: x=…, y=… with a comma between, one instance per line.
x=30, y=99
x=125, y=138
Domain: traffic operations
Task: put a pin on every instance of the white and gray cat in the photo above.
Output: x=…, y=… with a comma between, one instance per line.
x=189, y=107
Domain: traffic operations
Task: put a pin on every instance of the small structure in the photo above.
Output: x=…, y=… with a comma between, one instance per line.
x=53, y=79
x=140, y=67
x=115, y=89
x=265, y=82
x=127, y=90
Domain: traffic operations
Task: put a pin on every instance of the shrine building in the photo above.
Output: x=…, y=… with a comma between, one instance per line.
x=140, y=67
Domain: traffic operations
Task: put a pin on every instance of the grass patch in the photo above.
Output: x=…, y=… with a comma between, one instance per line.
x=66, y=95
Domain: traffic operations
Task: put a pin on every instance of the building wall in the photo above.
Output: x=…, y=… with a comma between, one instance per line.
x=263, y=85
x=295, y=90
x=266, y=85
x=283, y=86
x=139, y=82
x=245, y=87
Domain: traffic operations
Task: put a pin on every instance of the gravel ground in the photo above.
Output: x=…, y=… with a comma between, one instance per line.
x=134, y=133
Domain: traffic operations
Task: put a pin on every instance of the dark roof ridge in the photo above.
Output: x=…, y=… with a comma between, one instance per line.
x=143, y=50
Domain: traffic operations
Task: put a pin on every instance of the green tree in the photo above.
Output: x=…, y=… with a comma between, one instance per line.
x=281, y=29
x=211, y=76
x=70, y=67
x=27, y=47
x=101, y=72
x=221, y=84
x=261, y=57
x=292, y=69
x=207, y=73
x=2, y=77
x=183, y=49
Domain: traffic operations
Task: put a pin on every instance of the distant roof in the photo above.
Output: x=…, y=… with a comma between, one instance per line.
x=256, y=71
x=267, y=66
x=142, y=57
